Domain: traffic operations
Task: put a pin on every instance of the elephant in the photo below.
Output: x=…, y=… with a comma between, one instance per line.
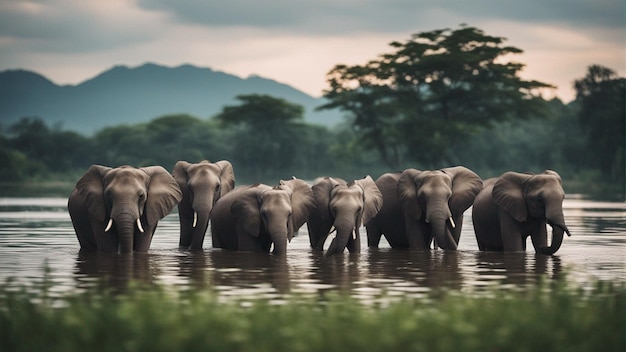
x=202, y=184
x=344, y=207
x=514, y=206
x=252, y=218
x=422, y=206
x=117, y=209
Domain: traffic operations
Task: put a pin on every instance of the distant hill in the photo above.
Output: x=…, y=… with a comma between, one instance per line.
x=140, y=94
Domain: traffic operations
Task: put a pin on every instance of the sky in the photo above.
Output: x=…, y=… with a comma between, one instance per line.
x=295, y=41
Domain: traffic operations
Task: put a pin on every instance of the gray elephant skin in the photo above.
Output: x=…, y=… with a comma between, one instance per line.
x=514, y=206
x=117, y=209
x=202, y=184
x=342, y=207
x=252, y=218
x=422, y=206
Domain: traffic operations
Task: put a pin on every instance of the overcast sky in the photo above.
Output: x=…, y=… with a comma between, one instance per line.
x=297, y=42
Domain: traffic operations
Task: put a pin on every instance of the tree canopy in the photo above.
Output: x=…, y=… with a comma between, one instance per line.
x=601, y=95
x=267, y=134
x=432, y=91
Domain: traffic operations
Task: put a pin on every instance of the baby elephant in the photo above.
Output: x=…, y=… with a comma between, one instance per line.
x=117, y=209
x=252, y=218
x=344, y=207
x=514, y=206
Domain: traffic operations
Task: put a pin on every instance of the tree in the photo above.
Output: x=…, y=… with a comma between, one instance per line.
x=432, y=91
x=602, y=97
x=48, y=149
x=181, y=137
x=266, y=140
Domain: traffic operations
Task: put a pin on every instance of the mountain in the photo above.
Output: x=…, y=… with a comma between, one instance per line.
x=133, y=95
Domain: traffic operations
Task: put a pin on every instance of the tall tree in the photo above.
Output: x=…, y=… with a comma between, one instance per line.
x=602, y=97
x=433, y=90
x=266, y=137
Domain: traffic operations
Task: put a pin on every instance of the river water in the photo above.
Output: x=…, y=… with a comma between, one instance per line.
x=38, y=244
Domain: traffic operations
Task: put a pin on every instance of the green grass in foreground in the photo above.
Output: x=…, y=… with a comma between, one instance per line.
x=548, y=318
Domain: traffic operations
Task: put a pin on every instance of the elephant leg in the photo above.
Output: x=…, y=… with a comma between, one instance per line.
x=186, y=230
x=87, y=244
x=512, y=235
x=252, y=244
x=318, y=231
x=373, y=235
x=539, y=236
x=418, y=234
x=143, y=240
x=85, y=237
x=107, y=242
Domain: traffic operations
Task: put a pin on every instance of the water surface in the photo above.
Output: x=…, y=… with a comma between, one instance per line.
x=37, y=240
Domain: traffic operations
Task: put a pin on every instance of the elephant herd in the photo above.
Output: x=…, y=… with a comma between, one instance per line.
x=117, y=209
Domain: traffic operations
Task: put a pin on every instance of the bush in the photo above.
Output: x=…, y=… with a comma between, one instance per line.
x=543, y=319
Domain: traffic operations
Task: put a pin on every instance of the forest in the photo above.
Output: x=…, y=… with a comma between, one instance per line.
x=439, y=99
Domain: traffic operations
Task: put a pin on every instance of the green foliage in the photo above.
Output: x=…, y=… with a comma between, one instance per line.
x=433, y=90
x=545, y=318
x=441, y=98
x=267, y=136
x=602, y=98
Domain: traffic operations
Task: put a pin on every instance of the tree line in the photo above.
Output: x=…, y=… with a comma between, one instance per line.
x=441, y=98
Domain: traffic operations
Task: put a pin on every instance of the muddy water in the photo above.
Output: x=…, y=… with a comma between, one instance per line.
x=37, y=244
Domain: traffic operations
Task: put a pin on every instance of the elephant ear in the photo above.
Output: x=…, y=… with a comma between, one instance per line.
x=163, y=194
x=408, y=184
x=372, y=199
x=302, y=201
x=227, y=177
x=321, y=195
x=180, y=175
x=508, y=194
x=465, y=187
x=90, y=188
x=247, y=211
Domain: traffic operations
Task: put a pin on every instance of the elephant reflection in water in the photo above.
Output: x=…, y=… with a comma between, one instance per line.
x=239, y=271
x=518, y=268
x=342, y=272
x=194, y=266
x=420, y=268
x=114, y=272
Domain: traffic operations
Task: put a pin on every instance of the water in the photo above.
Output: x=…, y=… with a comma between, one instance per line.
x=37, y=244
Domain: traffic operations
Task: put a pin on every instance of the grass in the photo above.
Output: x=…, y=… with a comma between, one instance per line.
x=554, y=318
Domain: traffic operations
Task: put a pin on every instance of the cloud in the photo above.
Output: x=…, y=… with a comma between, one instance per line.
x=75, y=26
x=349, y=16
x=296, y=41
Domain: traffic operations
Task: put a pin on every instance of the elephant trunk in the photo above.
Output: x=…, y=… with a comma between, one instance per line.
x=438, y=220
x=280, y=244
x=558, y=228
x=345, y=231
x=201, y=219
x=125, y=225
